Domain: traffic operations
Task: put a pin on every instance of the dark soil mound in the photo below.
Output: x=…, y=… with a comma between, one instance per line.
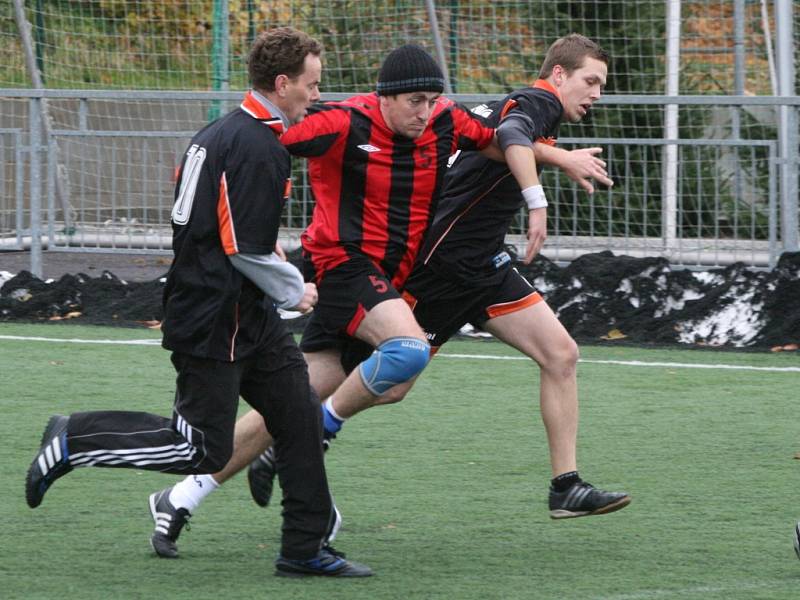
x=100, y=300
x=597, y=296
x=645, y=300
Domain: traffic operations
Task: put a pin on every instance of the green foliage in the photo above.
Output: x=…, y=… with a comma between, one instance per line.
x=114, y=44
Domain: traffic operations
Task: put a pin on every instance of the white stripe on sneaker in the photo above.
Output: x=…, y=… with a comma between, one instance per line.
x=580, y=497
x=57, y=449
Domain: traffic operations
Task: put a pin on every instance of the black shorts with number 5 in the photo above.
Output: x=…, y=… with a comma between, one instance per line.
x=347, y=292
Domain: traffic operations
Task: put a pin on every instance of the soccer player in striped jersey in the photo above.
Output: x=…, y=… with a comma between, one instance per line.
x=377, y=166
x=222, y=326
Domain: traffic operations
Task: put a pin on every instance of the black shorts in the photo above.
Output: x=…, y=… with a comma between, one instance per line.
x=442, y=306
x=347, y=292
x=352, y=351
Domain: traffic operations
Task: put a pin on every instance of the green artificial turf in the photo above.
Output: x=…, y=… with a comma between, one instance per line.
x=443, y=495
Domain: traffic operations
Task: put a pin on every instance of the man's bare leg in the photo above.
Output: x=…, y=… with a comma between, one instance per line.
x=537, y=332
x=390, y=319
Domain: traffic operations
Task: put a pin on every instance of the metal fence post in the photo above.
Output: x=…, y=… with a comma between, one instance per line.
x=62, y=186
x=220, y=49
x=787, y=125
x=437, y=42
x=738, y=87
x=19, y=179
x=34, y=143
x=669, y=190
x=773, y=207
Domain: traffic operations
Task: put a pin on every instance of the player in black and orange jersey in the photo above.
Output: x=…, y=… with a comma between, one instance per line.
x=222, y=326
x=465, y=276
x=369, y=176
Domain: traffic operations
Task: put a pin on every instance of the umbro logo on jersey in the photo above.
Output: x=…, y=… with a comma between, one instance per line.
x=369, y=148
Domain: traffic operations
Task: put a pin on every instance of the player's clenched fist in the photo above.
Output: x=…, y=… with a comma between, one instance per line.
x=309, y=299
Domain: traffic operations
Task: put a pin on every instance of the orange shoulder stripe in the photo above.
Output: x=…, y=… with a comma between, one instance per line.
x=507, y=107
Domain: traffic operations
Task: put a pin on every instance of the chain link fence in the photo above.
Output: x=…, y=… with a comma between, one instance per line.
x=98, y=171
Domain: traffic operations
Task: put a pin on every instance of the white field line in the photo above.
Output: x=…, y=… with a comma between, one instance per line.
x=636, y=363
x=628, y=363
x=23, y=338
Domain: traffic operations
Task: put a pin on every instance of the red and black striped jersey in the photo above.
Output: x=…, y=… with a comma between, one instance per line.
x=375, y=190
x=231, y=189
x=481, y=197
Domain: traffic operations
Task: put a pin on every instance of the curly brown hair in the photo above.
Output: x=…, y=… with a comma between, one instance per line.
x=280, y=51
x=570, y=51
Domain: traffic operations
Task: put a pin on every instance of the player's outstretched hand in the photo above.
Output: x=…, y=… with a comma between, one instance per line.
x=537, y=233
x=585, y=165
x=310, y=298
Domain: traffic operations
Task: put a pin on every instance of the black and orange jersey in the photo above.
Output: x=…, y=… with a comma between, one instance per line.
x=375, y=190
x=231, y=189
x=481, y=196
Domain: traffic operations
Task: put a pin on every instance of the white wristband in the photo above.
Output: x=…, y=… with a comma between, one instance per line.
x=534, y=197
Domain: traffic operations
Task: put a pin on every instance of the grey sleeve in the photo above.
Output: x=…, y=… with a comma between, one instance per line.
x=278, y=279
x=515, y=130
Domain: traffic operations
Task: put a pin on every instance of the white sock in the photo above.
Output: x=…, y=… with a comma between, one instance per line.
x=190, y=492
x=329, y=407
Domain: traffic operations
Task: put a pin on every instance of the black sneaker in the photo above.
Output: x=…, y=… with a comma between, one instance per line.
x=169, y=522
x=797, y=539
x=327, y=563
x=261, y=477
x=583, y=499
x=50, y=463
x=261, y=472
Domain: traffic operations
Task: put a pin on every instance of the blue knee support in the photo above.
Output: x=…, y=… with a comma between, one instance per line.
x=395, y=361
